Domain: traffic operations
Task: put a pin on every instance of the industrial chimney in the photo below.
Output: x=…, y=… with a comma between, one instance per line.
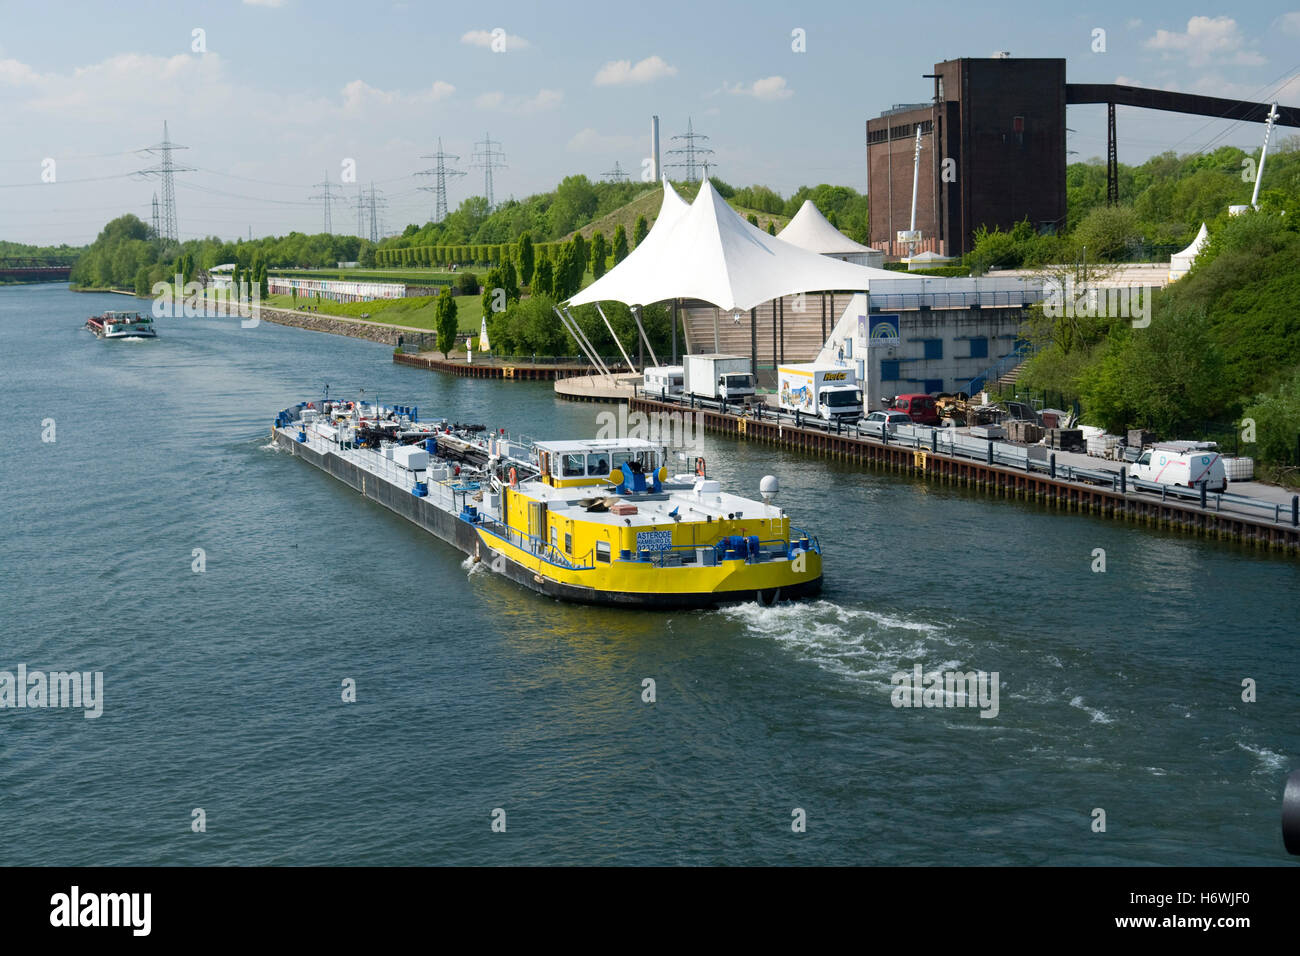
x=654, y=145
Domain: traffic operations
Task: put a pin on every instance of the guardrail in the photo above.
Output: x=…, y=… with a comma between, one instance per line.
x=992, y=452
x=883, y=302
x=530, y=543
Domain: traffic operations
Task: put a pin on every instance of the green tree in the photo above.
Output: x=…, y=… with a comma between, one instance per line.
x=495, y=279
x=620, y=244
x=1276, y=415
x=446, y=322
x=562, y=281
x=526, y=258
x=639, y=231
x=771, y=228
x=543, y=278
x=599, y=253
x=1107, y=232
x=510, y=281
x=753, y=220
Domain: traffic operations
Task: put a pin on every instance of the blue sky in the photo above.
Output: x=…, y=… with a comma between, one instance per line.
x=285, y=93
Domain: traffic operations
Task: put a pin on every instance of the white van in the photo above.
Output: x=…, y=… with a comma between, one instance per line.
x=1186, y=464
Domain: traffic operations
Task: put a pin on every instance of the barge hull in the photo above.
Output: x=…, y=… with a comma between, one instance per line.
x=465, y=536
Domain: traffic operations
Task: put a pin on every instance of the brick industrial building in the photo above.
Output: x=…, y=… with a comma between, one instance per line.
x=993, y=148
x=992, y=153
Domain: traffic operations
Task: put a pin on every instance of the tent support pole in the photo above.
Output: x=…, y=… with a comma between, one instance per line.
x=780, y=306
x=753, y=342
x=774, y=361
x=591, y=348
x=630, y=363
x=583, y=346
x=674, y=362
x=636, y=314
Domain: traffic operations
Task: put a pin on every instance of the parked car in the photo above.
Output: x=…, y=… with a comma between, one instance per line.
x=885, y=420
x=922, y=409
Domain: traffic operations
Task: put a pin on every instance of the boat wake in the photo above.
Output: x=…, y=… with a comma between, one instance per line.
x=1269, y=760
x=857, y=644
x=1098, y=716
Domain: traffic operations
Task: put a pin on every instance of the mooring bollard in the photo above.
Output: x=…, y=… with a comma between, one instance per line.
x=1295, y=510
x=1051, y=471
x=1123, y=482
x=1204, y=490
x=990, y=459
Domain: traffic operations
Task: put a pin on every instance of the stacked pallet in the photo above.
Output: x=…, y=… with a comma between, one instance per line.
x=1065, y=439
x=1028, y=432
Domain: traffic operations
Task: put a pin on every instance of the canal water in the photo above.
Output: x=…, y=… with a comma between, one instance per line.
x=1118, y=691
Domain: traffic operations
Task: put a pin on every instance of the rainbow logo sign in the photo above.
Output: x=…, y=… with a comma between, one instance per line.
x=884, y=330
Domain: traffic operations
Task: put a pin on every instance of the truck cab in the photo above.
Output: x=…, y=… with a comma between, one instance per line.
x=733, y=386
x=840, y=402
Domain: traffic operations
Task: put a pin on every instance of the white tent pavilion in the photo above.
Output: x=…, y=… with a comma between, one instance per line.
x=712, y=254
x=1180, y=263
x=810, y=230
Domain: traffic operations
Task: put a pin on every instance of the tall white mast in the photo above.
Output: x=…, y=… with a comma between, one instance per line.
x=1263, y=154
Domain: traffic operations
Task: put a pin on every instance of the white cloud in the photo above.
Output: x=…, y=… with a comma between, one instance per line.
x=543, y=99
x=264, y=3
x=624, y=72
x=770, y=89
x=1208, y=40
x=359, y=95
x=14, y=73
x=486, y=38
x=1289, y=23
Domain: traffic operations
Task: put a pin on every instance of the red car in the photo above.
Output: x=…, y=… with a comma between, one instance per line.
x=920, y=408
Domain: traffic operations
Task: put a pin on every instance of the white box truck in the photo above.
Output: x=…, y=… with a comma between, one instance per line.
x=661, y=381
x=729, y=378
x=1187, y=464
x=828, y=392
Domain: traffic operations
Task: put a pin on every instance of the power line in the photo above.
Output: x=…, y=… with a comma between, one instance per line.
x=165, y=170
x=487, y=157
x=369, y=204
x=615, y=175
x=691, y=153
x=328, y=199
x=440, y=172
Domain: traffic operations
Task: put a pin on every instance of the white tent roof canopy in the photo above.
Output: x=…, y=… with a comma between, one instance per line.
x=810, y=230
x=1190, y=253
x=709, y=252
